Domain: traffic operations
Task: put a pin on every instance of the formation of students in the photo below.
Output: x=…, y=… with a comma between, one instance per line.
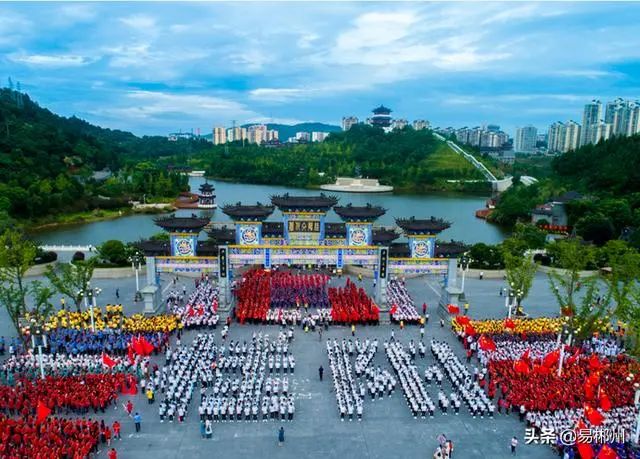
x=403, y=307
x=407, y=373
x=468, y=388
x=197, y=310
x=349, y=393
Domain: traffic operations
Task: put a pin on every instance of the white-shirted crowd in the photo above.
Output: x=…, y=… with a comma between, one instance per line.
x=406, y=371
x=199, y=309
x=254, y=392
x=403, y=305
x=467, y=388
x=349, y=392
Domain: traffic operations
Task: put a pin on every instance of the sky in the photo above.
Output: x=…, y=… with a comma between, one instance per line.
x=155, y=68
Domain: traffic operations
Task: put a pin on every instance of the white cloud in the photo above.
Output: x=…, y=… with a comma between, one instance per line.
x=52, y=60
x=139, y=22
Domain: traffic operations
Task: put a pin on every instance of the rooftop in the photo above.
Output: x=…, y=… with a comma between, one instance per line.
x=320, y=202
x=187, y=224
x=432, y=225
x=351, y=212
x=239, y=211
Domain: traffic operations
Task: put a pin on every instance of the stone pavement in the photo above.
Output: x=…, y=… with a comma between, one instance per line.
x=387, y=429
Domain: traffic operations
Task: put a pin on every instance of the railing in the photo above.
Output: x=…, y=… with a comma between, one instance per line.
x=67, y=248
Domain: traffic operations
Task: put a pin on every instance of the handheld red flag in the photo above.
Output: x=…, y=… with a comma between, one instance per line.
x=593, y=415
x=607, y=453
x=42, y=412
x=108, y=361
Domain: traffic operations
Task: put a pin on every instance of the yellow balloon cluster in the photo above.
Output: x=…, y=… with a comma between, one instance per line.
x=533, y=325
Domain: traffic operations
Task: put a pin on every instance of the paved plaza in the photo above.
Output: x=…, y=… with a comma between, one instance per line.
x=387, y=430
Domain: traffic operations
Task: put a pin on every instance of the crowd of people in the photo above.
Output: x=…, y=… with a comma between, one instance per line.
x=407, y=373
x=467, y=387
x=52, y=438
x=112, y=341
x=28, y=366
x=197, y=310
x=349, y=392
x=77, y=394
x=351, y=304
x=544, y=390
x=403, y=307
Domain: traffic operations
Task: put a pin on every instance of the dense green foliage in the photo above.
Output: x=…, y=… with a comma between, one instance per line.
x=607, y=174
x=407, y=159
x=47, y=162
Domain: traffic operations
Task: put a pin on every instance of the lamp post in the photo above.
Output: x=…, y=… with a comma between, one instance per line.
x=38, y=341
x=136, y=264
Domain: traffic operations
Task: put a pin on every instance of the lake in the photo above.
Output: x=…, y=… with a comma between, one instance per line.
x=457, y=208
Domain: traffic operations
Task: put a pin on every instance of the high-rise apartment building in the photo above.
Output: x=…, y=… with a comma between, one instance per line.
x=592, y=115
x=348, y=121
x=419, y=125
x=219, y=135
x=525, y=140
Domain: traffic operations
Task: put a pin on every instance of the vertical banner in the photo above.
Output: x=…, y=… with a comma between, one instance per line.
x=267, y=258
x=222, y=261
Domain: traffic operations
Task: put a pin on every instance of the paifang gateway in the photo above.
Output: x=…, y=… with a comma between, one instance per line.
x=302, y=238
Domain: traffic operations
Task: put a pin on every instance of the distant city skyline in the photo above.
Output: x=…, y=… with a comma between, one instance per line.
x=163, y=67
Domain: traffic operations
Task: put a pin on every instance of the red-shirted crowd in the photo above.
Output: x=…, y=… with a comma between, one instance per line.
x=537, y=387
x=74, y=393
x=351, y=304
x=52, y=438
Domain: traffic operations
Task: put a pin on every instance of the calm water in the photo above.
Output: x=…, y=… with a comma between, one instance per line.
x=456, y=208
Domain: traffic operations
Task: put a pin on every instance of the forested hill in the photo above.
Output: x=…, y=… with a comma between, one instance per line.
x=46, y=160
x=606, y=174
x=407, y=159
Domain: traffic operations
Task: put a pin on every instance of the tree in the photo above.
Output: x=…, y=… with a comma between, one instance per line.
x=72, y=279
x=572, y=256
x=113, y=251
x=17, y=255
x=520, y=271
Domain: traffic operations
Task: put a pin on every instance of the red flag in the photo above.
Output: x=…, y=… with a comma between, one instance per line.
x=594, y=362
x=605, y=402
x=541, y=370
x=486, y=343
x=551, y=358
x=585, y=449
x=42, y=412
x=453, y=309
x=593, y=415
x=521, y=367
x=607, y=453
x=462, y=320
x=508, y=323
x=130, y=354
x=108, y=361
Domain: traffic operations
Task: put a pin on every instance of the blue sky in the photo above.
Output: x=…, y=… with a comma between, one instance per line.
x=152, y=68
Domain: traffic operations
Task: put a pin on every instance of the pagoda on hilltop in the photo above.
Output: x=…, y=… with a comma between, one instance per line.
x=381, y=117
